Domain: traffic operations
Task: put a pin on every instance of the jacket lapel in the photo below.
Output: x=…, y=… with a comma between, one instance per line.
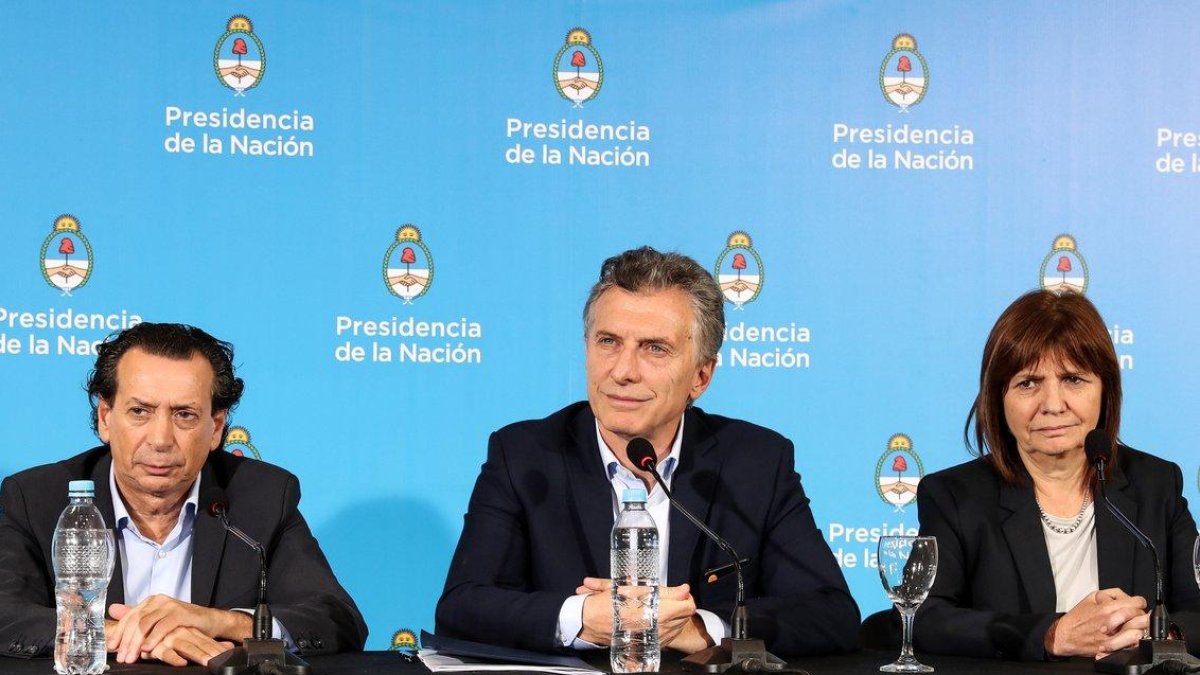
x=693, y=484
x=591, y=494
x=1022, y=526
x=1115, y=546
x=208, y=545
x=104, y=502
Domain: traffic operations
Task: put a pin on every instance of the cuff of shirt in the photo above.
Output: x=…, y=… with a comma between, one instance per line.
x=715, y=625
x=570, y=622
x=277, y=630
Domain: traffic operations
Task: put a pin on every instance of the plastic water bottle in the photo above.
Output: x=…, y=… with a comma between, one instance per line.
x=634, y=566
x=83, y=562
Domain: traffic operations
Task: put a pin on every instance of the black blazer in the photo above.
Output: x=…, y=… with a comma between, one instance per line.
x=994, y=593
x=540, y=518
x=263, y=501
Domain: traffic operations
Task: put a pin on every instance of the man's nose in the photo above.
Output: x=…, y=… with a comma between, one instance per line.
x=160, y=435
x=626, y=369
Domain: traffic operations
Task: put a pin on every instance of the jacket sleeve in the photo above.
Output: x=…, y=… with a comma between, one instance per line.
x=305, y=595
x=27, y=613
x=802, y=605
x=1182, y=592
x=805, y=607
x=488, y=595
x=947, y=623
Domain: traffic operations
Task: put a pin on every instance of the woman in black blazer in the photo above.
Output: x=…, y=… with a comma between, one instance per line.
x=1029, y=567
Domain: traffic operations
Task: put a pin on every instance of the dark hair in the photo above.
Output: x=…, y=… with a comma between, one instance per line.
x=1040, y=325
x=170, y=340
x=645, y=269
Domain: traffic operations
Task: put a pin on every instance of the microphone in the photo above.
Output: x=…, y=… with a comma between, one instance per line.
x=1097, y=446
x=740, y=651
x=1099, y=449
x=218, y=507
x=1159, y=650
x=261, y=654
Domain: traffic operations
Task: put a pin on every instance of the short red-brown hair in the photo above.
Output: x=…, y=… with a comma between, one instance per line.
x=1040, y=325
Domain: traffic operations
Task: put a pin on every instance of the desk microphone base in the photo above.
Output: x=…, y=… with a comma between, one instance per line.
x=735, y=656
x=1150, y=655
x=258, y=657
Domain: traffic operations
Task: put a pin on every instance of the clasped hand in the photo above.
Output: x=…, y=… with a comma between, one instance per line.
x=1105, y=621
x=171, y=631
x=679, y=626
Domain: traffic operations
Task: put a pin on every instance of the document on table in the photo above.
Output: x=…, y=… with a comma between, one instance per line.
x=446, y=655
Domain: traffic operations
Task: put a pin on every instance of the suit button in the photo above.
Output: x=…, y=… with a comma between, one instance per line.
x=31, y=650
x=302, y=644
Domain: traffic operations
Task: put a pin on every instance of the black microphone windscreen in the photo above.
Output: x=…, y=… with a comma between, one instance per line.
x=1097, y=446
x=214, y=501
x=641, y=453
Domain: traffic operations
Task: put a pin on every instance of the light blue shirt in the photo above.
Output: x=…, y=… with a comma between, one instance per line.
x=147, y=567
x=570, y=616
x=150, y=568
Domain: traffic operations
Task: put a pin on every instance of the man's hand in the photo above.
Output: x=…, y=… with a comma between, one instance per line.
x=597, y=611
x=186, y=644
x=141, y=629
x=1103, y=622
x=679, y=627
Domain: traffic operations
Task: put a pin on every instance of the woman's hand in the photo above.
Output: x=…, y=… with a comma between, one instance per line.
x=1104, y=622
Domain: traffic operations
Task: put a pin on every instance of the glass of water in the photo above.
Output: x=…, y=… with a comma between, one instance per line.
x=907, y=567
x=1196, y=559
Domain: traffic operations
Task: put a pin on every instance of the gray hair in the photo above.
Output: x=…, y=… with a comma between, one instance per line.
x=645, y=269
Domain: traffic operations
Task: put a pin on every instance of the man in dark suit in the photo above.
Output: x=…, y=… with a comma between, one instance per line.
x=531, y=569
x=180, y=592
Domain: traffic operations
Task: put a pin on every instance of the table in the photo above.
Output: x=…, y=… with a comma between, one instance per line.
x=390, y=663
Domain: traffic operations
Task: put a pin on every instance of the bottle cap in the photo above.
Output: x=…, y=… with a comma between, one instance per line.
x=79, y=488
x=636, y=495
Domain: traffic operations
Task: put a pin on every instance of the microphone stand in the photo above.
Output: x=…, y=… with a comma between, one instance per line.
x=1159, y=652
x=737, y=654
x=261, y=654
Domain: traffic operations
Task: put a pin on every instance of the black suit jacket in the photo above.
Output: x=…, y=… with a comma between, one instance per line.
x=263, y=501
x=541, y=514
x=994, y=593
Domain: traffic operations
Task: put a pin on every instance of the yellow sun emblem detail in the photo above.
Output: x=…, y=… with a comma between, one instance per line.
x=66, y=223
x=739, y=238
x=404, y=639
x=239, y=24
x=408, y=233
x=1064, y=241
x=579, y=36
x=904, y=41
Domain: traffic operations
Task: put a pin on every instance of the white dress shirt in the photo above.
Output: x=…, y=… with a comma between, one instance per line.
x=150, y=568
x=570, y=617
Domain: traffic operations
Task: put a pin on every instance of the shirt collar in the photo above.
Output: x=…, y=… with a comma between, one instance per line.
x=121, y=513
x=666, y=468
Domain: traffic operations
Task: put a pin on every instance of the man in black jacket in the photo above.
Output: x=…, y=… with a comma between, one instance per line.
x=180, y=592
x=531, y=569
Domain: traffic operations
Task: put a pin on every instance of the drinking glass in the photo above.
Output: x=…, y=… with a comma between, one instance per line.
x=907, y=567
x=1196, y=559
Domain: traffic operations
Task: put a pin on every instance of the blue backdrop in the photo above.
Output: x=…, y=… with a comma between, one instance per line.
x=330, y=184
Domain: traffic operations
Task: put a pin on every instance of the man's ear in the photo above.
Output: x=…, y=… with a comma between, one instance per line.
x=219, y=419
x=103, y=410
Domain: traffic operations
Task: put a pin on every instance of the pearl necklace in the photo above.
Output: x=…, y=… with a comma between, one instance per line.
x=1069, y=529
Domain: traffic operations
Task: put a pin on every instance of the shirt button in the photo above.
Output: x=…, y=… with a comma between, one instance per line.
x=161, y=554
